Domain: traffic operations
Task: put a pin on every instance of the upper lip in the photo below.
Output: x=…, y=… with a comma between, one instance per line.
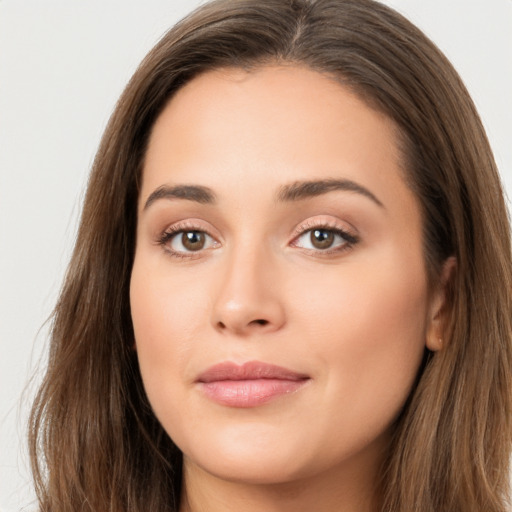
x=251, y=370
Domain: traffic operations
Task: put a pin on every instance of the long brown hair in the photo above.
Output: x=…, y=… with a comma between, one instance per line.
x=95, y=443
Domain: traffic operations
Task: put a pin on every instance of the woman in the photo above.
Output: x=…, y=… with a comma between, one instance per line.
x=291, y=284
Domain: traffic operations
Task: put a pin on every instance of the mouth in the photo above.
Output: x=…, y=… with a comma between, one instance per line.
x=248, y=385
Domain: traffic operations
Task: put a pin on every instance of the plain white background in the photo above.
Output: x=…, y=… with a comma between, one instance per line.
x=63, y=64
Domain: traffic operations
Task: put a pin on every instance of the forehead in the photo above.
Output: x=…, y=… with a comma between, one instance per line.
x=271, y=125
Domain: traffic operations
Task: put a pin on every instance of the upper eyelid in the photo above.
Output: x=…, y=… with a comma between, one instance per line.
x=349, y=239
x=188, y=225
x=328, y=224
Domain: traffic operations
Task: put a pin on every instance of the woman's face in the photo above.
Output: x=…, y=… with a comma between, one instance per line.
x=279, y=294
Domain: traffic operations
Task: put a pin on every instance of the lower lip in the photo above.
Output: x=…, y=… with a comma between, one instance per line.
x=249, y=393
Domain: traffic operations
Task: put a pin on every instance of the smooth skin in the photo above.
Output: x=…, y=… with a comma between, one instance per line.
x=253, y=267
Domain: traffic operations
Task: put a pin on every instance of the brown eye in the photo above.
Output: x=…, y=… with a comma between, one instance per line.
x=193, y=240
x=189, y=241
x=325, y=239
x=321, y=238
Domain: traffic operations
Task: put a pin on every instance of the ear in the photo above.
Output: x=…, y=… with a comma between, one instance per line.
x=440, y=307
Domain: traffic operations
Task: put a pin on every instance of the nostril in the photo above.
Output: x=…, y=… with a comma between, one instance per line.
x=236, y=327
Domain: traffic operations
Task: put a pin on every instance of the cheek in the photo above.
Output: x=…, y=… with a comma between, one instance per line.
x=163, y=316
x=376, y=302
x=164, y=309
x=367, y=327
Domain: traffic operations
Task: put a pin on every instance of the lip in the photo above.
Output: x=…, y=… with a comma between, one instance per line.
x=248, y=385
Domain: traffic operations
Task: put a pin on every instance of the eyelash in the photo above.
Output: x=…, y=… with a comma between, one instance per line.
x=350, y=239
x=169, y=234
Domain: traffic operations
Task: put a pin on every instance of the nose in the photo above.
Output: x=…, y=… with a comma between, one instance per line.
x=249, y=299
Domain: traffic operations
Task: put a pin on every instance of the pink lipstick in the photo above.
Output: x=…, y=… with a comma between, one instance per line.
x=248, y=385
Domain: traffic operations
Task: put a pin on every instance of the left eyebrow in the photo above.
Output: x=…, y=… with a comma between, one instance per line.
x=196, y=193
x=306, y=189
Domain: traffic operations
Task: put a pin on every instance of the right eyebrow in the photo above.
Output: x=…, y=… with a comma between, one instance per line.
x=306, y=189
x=196, y=193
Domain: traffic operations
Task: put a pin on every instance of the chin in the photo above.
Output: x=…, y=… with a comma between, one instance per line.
x=249, y=453
x=262, y=454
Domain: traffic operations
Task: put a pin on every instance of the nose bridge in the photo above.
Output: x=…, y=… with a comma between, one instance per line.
x=248, y=297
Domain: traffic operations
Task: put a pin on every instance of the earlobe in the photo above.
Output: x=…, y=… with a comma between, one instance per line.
x=441, y=307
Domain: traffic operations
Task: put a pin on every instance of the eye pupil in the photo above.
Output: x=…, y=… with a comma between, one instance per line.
x=322, y=238
x=193, y=240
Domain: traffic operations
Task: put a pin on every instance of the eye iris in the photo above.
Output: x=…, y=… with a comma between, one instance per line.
x=193, y=240
x=322, y=238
